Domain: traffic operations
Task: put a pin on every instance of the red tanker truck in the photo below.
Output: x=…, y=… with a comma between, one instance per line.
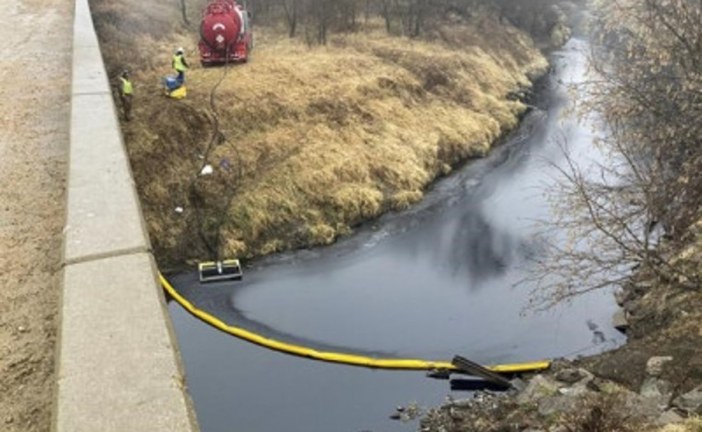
x=225, y=33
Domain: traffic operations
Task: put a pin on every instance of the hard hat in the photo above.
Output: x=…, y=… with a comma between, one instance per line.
x=179, y=50
x=125, y=72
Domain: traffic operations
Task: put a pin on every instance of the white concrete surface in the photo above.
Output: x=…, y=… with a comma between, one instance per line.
x=118, y=364
x=117, y=368
x=88, y=71
x=103, y=216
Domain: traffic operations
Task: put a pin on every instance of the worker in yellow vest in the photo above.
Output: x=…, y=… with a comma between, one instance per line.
x=180, y=65
x=126, y=90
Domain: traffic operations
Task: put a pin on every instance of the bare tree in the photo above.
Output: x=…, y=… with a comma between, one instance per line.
x=292, y=9
x=642, y=207
x=403, y=17
x=184, y=12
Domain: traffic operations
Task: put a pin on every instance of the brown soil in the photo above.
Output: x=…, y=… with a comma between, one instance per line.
x=34, y=133
x=666, y=321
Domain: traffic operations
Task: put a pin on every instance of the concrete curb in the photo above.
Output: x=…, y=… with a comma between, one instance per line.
x=118, y=366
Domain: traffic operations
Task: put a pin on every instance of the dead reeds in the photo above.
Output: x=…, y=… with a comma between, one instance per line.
x=315, y=140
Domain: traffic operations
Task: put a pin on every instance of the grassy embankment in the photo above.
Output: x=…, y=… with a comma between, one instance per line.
x=315, y=140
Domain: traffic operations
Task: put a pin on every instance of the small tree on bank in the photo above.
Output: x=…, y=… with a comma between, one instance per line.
x=640, y=208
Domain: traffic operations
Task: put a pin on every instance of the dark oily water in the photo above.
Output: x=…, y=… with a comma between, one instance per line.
x=432, y=282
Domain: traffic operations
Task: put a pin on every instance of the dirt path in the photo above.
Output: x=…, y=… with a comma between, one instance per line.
x=35, y=66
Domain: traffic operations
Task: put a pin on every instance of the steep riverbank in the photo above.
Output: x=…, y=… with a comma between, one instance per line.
x=305, y=143
x=652, y=383
x=431, y=282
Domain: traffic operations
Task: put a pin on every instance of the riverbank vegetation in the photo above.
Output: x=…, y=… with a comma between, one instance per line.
x=645, y=205
x=637, y=223
x=317, y=133
x=646, y=202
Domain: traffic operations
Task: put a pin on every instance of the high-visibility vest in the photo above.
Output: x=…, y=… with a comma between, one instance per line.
x=178, y=64
x=127, y=88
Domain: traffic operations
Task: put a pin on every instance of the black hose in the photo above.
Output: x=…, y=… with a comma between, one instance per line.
x=218, y=137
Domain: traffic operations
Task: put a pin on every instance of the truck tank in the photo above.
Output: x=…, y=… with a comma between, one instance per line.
x=225, y=34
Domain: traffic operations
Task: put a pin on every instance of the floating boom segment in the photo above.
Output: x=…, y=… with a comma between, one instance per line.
x=335, y=357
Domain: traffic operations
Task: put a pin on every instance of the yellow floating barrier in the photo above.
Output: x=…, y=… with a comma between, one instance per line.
x=333, y=357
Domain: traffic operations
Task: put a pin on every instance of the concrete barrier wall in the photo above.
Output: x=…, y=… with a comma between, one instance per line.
x=118, y=365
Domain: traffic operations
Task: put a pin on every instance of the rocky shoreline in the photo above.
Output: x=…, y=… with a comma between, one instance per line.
x=652, y=382
x=569, y=398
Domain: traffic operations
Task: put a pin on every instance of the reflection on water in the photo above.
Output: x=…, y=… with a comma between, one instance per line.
x=470, y=249
x=433, y=282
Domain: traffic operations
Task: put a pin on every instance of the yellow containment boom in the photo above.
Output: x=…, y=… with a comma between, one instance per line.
x=333, y=357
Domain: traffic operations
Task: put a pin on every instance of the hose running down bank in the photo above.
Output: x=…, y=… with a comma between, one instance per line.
x=333, y=357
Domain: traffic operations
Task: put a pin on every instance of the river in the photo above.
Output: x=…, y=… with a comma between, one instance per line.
x=437, y=280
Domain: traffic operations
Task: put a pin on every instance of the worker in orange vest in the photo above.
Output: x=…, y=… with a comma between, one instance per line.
x=180, y=65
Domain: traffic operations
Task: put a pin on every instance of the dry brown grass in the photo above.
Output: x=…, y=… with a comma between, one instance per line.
x=603, y=412
x=690, y=425
x=325, y=137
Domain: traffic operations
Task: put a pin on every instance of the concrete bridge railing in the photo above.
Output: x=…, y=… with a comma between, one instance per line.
x=118, y=364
